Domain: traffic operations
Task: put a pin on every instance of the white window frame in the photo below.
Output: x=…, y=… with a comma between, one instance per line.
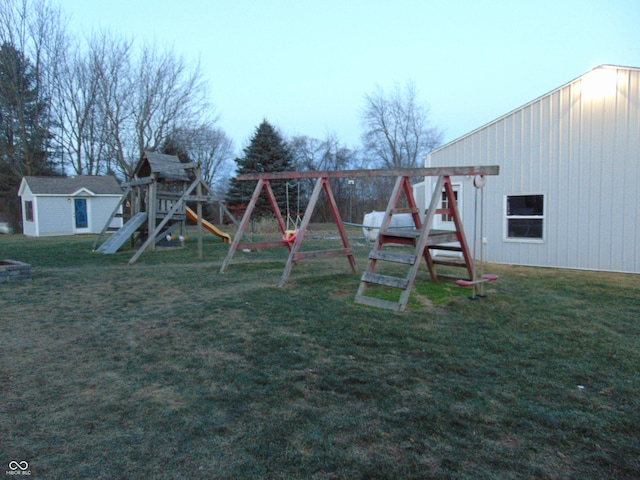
x=439, y=223
x=28, y=211
x=542, y=217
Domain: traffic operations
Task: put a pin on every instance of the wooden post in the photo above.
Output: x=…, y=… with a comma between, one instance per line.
x=295, y=254
x=243, y=225
x=199, y=193
x=152, y=191
x=455, y=213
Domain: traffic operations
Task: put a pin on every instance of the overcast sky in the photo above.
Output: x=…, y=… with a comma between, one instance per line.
x=306, y=65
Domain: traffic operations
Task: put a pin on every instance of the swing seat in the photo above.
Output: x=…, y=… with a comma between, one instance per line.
x=289, y=236
x=489, y=277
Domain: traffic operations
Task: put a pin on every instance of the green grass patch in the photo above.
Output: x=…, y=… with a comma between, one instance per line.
x=169, y=369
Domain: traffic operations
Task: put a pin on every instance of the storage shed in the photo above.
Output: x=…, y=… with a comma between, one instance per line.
x=568, y=192
x=68, y=205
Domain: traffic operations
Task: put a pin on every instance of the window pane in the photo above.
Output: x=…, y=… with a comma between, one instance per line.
x=525, y=227
x=28, y=206
x=525, y=205
x=447, y=217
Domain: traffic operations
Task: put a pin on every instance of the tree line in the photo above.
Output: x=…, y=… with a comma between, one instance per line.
x=92, y=106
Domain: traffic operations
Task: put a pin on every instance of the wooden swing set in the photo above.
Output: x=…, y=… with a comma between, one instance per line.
x=422, y=238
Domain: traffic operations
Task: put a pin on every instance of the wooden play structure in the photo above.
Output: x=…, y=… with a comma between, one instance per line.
x=156, y=205
x=420, y=239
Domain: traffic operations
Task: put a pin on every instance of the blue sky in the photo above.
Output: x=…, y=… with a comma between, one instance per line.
x=306, y=65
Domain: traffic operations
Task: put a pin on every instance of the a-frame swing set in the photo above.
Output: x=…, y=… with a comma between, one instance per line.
x=422, y=238
x=295, y=254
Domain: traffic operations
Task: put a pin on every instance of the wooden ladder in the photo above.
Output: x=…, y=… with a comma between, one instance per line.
x=421, y=238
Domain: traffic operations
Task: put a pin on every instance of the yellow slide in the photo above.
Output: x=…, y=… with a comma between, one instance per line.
x=193, y=216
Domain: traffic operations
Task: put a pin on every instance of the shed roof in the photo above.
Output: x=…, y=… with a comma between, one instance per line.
x=166, y=166
x=96, y=184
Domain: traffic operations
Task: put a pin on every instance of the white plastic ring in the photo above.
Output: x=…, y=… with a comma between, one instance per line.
x=479, y=181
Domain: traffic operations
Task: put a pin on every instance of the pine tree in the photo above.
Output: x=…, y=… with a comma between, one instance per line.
x=24, y=138
x=267, y=152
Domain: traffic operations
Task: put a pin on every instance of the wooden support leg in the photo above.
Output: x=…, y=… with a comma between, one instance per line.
x=453, y=206
x=244, y=223
x=321, y=184
x=302, y=229
x=336, y=217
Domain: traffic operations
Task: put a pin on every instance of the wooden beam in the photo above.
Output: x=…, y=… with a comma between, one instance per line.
x=135, y=183
x=200, y=198
x=391, y=172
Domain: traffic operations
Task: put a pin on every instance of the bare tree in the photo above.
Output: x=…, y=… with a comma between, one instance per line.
x=166, y=96
x=305, y=152
x=212, y=148
x=116, y=82
x=115, y=104
x=396, y=129
x=77, y=88
x=328, y=154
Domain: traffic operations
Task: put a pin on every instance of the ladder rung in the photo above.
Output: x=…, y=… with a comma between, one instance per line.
x=395, y=211
x=386, y=280
x=393, y=256
x=406, y=241
x=445, y=247
x=439, y=237
x=377, y=302
x=450, y=263
x=402, y=232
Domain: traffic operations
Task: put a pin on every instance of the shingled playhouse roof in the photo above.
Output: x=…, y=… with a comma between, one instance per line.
x=166, y=166
x=96, y=184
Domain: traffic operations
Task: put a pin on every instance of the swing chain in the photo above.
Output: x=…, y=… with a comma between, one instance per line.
x=290, y=221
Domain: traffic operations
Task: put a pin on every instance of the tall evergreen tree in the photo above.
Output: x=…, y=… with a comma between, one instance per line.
x=24, y=138
x=267, y=152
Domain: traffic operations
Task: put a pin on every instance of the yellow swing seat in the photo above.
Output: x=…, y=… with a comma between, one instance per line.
x=289, y=236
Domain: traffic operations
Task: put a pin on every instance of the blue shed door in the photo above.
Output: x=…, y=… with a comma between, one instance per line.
x=80, y=209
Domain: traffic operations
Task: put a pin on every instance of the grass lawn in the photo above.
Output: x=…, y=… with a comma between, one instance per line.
x=168, y=369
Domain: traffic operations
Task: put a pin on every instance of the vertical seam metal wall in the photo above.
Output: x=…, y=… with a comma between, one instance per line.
x=583, y=154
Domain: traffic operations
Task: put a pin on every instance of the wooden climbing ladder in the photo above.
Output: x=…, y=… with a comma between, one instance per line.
x=421, y=240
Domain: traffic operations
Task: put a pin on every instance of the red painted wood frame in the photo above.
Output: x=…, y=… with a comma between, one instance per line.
x=322, y=184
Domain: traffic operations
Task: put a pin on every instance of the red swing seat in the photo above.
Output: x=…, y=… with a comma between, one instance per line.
x=489, y=277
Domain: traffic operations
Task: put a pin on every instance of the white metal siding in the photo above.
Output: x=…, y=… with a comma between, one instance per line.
x=55, y=215
x=583, y=155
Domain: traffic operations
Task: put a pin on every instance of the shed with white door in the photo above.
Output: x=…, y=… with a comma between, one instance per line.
x=68, y=205
x=568, y=194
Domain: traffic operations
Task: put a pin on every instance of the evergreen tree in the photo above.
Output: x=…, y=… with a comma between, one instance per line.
x=24, y=138
x=267, y=152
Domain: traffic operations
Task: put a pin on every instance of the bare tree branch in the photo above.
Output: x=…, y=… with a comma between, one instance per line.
x=396, y=127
